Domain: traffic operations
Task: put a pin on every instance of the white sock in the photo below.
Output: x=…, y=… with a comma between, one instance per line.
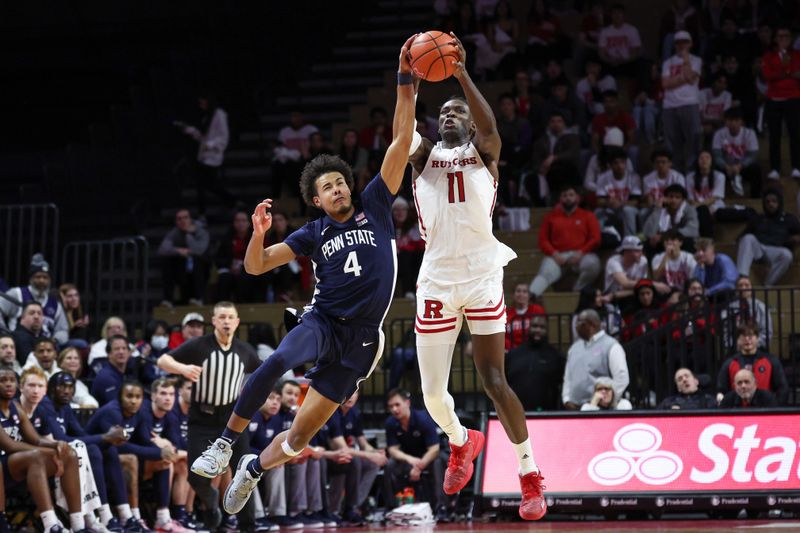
x=76, y=522
x=136, y=514
x=105, y=514
x=124, y=512
x=162, y=516
x=525, y=457
x=457, y=434
x=49, y=519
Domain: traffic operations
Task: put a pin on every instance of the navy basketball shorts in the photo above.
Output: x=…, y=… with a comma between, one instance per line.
x=8, y=482
x=348, y=353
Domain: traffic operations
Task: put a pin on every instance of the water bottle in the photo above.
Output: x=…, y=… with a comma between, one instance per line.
x=408, y=494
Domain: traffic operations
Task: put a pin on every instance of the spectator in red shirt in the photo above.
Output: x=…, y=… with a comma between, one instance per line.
x=192, y=326
x=568, y=237
x=378, y=135
x=519, y=316
x=410, y=247
x=781, y=69
x=613, y=117
x=233, y=283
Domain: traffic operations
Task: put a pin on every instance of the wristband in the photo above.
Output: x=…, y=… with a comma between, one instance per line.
x=404, y=78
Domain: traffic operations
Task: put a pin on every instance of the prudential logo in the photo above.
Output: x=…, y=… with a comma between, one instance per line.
x=636, y=454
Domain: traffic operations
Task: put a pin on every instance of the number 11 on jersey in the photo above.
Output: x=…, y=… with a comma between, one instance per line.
x=351, y=265
x=455, y=179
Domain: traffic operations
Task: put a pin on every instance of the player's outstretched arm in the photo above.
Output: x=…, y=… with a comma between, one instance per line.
x=487, y=138
x=258, y=259
x=396, y=159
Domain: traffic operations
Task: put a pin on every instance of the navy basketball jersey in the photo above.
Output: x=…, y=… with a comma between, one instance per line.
x=355, y=262
x=11, y=424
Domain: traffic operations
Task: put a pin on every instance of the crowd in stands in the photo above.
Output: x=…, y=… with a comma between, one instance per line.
x=631, y=151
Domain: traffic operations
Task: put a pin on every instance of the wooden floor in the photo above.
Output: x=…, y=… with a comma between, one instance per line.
x=654, y=526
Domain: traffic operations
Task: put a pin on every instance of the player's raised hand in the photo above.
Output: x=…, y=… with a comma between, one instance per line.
x=404, y=66
x=262, y=218
x=461, y=63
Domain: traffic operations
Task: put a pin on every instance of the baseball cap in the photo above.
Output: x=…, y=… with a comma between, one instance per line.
x=614, y=137
x=192, y=317
x=683, y=35
x=62, y=378
x=631, y=242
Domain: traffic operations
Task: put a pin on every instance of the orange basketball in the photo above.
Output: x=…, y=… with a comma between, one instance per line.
x=432, y=56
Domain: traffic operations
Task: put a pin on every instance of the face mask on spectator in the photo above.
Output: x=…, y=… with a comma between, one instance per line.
x=159, y=342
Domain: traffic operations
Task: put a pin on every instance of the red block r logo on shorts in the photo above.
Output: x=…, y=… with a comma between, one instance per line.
x=433, y=309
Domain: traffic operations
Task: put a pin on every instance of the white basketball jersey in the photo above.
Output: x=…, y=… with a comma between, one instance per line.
x=455, y=197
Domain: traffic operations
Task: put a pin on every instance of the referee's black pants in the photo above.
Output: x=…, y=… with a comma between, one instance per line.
x=203, y=430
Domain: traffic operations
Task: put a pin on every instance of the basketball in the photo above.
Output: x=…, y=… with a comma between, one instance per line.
x=432, y=56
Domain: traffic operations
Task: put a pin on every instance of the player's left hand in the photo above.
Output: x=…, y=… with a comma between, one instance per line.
x=461, y=63
x=405, y=60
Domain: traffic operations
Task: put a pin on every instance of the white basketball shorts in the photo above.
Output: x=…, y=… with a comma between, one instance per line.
x=442, y=308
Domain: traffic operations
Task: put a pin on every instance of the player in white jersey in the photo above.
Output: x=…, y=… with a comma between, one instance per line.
x=462, y=278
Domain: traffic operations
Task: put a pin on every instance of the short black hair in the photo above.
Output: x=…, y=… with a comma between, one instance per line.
x=672, y=235
x=129, y=383
x=661, y=152
x=557, y=113
x=44, y=340
x=28, y=304
x=113, y=338
x=610, y=93
x=397, y=391
x=615, y=152
x=291, y=382
x=676, y=187
x=322, y=164
x=733, y=113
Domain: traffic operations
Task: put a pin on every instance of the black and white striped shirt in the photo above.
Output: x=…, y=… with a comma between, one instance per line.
x=223, y=371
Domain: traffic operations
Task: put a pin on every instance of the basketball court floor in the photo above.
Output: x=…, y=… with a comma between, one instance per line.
x=652, y=526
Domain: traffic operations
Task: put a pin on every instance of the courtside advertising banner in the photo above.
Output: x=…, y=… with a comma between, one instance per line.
x=712, y=454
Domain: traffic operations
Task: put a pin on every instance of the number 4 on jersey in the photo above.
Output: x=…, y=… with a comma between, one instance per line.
x=351, y=264
x=455, y=179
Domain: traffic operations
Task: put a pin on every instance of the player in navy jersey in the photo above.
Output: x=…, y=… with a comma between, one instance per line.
x=29, y=459
x=65, y=426
x=355, y=262
x=127, y=412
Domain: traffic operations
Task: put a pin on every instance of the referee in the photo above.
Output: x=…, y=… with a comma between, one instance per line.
x=216, y=364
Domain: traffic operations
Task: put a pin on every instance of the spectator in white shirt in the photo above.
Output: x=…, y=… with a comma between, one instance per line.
x=600, y=162
x=591, y=87
x=605, y=399
x=654, y=183
x=706, y=188
x=674, y=267
x=618, y=193
x=288, y=158
x=714, y=101
x=680, y=76
x=735, y=151
x=625, y=269
x=620, y=45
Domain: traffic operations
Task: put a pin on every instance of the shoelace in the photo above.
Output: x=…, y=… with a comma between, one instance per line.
x=536, y=487
x=457, y=455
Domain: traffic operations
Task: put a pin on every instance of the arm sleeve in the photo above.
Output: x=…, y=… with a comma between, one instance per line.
x=167, y=246
x=594, y=234
x=391, y=438
x=377, y=198
x=198, y=241
x=545, y=245
x=61, y=328
x=618, y=366
x=302, y=241
x=74, y=429
x=98, y=389
x=188, y=353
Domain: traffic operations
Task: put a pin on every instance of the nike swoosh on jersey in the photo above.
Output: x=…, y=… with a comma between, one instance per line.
x=367, y=343
x=324, y=230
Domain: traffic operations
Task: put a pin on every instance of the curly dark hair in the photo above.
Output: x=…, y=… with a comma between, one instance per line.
x=322, y=164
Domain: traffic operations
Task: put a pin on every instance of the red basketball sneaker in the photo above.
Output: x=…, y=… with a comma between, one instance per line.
x=533, y=506
x=460, y=467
